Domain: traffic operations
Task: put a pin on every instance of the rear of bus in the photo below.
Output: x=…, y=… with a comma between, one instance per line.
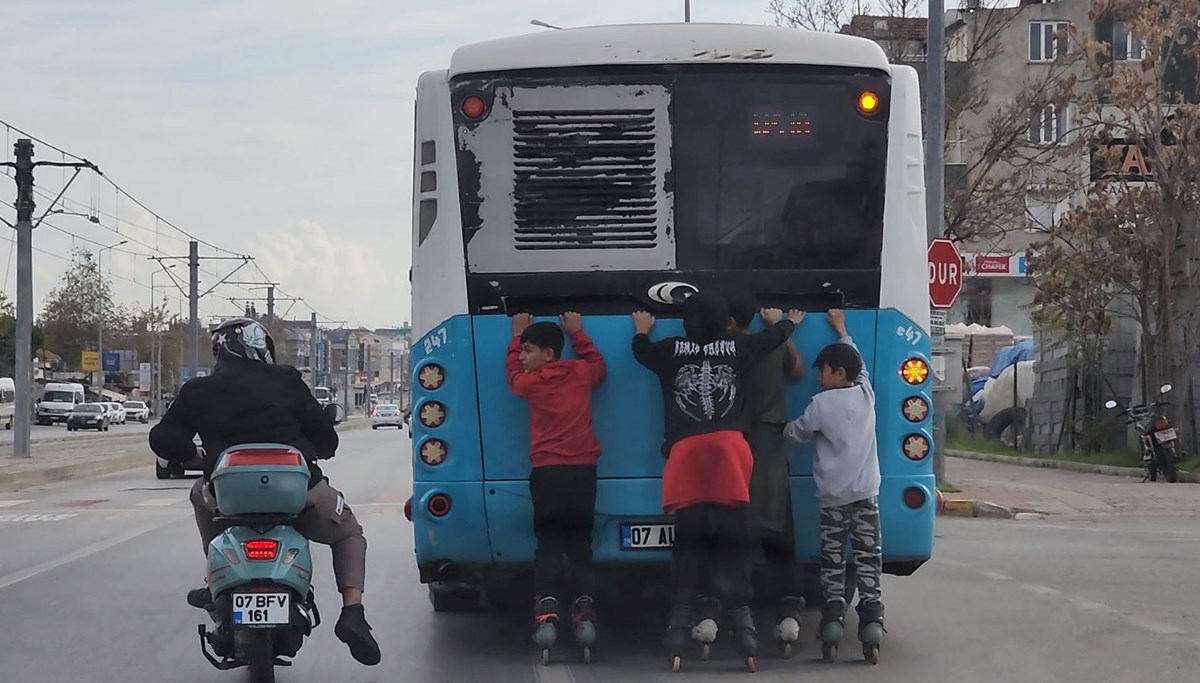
x=612, y=169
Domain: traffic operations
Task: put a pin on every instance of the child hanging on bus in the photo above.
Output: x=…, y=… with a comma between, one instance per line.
x=706, y=481
x=771, y=522
x=563, y=450
x=841, y=421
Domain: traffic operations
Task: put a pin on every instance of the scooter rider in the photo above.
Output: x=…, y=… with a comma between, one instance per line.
x=249, y=399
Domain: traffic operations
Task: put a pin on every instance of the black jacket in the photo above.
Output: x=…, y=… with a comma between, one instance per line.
x=245, y=402
x=702, y=382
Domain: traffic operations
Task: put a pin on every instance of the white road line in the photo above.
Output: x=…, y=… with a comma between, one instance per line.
x=50, y=565
x=1040, y=589
x=994, y=576
x=159, y=502
x=13, y=503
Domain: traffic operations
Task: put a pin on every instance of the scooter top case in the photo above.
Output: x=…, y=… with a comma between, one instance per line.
x=260, y=479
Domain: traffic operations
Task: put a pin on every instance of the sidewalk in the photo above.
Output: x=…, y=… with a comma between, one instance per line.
x=1054, y=491
x=56, y=460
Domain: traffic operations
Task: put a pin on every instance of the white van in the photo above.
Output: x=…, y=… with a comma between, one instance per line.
x=8, y=401
x=58, y=400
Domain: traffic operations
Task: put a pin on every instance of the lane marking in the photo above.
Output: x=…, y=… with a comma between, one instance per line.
x=82, y=503
x=1040, y=589
x=13, y=503
x=34, y=517
x=159, y=502
x=994, y=576
x=50, y=565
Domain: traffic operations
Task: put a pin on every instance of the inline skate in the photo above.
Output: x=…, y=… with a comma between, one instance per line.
x=545, y=625
x=745, y=636
x=679, y=634
x=833, y=627
x=787, y=631
x=583, y=619
x=870, y=629
x=706, y=628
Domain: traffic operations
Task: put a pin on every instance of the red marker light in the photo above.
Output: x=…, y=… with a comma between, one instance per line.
x=474, y=107
x=261, y=550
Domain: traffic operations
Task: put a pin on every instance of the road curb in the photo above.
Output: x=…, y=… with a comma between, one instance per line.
x=977, y=508
x=105, y=465
x=1111, y=470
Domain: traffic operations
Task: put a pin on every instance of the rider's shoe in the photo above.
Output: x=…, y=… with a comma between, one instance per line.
x=200, y=598
x=353, y=630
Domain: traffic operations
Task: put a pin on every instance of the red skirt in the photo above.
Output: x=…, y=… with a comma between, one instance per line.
x=708, y=468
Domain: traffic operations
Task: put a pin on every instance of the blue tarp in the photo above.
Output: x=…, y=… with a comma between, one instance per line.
x=1005, y=358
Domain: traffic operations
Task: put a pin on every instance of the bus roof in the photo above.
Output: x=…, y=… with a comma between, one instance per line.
x=658, y=43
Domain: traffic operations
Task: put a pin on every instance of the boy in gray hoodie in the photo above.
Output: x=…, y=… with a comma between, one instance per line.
x=841, y=421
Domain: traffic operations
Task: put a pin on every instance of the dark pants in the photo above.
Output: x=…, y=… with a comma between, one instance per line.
x=779, y=553
x=564, y=510
x=713, y=555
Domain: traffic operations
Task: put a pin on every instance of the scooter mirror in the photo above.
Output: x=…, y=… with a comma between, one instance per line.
x=336, y=412
x=1164, y=389
x=1110, y=404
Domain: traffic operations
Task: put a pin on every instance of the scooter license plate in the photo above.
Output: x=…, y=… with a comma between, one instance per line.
x=253, y=610
x=647, y=536
x=1166, y=435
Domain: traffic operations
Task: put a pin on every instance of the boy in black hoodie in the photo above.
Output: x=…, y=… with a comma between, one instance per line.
x=706, y=481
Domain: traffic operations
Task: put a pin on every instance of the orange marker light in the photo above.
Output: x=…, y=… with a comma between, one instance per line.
x=914, y=371
x=473, y=107
x=868, y=102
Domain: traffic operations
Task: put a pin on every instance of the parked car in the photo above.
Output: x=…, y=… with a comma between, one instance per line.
x=8, y=401
x=137, y=410
x=88, y=416
x=116, y=412
x=387, y=415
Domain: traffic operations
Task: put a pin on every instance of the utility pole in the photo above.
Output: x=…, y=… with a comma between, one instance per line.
x=24, y=165
x=687, y=10
x=392, y=376
x=935, y=127
x=312, y=351
x=270, y=305
x=193, y=307
x=346, y=378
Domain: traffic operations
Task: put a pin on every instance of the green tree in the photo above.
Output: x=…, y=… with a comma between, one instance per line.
x=75, y=310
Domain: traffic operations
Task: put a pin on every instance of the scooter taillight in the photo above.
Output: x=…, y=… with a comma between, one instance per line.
x=1161, y=423
x=261, y=550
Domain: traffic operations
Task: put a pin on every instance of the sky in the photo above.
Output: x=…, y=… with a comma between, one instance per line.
x=281, y=129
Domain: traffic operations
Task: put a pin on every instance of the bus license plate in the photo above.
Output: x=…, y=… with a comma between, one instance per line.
x=647, y=536
x=1166, y=435
x=261, y=609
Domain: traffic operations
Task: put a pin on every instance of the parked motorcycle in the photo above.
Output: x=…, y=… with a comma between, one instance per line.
x=1158, y=438
x=260, y=569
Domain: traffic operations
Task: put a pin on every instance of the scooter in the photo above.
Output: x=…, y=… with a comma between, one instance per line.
x=260, y=568
x=1157, y=436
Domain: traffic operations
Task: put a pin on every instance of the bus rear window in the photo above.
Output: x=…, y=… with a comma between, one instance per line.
x=777, y=173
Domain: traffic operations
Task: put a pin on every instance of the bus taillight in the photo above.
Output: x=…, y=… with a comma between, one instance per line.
x=915, y=371
x=432, y=415
x=433, y=452
x=431, y=377
x=868, y=102
x=915, y=409
x=914, y=497
x=439, y=505
x=916, y=447
x=474, y=108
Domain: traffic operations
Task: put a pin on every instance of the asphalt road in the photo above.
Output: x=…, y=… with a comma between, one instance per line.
x=93, y=575
x=59, y=432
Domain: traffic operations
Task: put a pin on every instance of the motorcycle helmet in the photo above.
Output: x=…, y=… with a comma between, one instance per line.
x=243, y=338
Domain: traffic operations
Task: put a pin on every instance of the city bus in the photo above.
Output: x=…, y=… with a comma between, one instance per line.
x=616, y=168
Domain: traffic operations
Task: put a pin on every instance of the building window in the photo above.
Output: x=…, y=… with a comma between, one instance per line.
x=1126, y=46
x=1048, y=40
x=1042, y=215
x=1049, y=125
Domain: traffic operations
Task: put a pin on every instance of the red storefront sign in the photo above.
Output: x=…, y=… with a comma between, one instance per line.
x=992, y=265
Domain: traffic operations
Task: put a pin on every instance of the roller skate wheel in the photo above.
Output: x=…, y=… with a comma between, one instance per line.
x=871, y=654
x=705, y=649
x=872, y=634
x=752, y=664
x=587, y=655
x=545, y=657
x=830, y=652
x=676, y=663
x=787, y=650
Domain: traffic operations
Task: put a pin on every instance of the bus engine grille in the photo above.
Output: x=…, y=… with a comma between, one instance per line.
x=584, y=179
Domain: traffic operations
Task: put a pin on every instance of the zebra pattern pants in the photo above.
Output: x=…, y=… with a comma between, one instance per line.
x=855, y=525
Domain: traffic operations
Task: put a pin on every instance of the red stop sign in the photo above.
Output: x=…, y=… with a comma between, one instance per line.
x=945, y=273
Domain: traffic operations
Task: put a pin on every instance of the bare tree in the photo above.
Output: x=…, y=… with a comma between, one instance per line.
x=1133, y=246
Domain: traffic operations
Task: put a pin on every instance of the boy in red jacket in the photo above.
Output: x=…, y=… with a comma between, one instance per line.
x=563, y=450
